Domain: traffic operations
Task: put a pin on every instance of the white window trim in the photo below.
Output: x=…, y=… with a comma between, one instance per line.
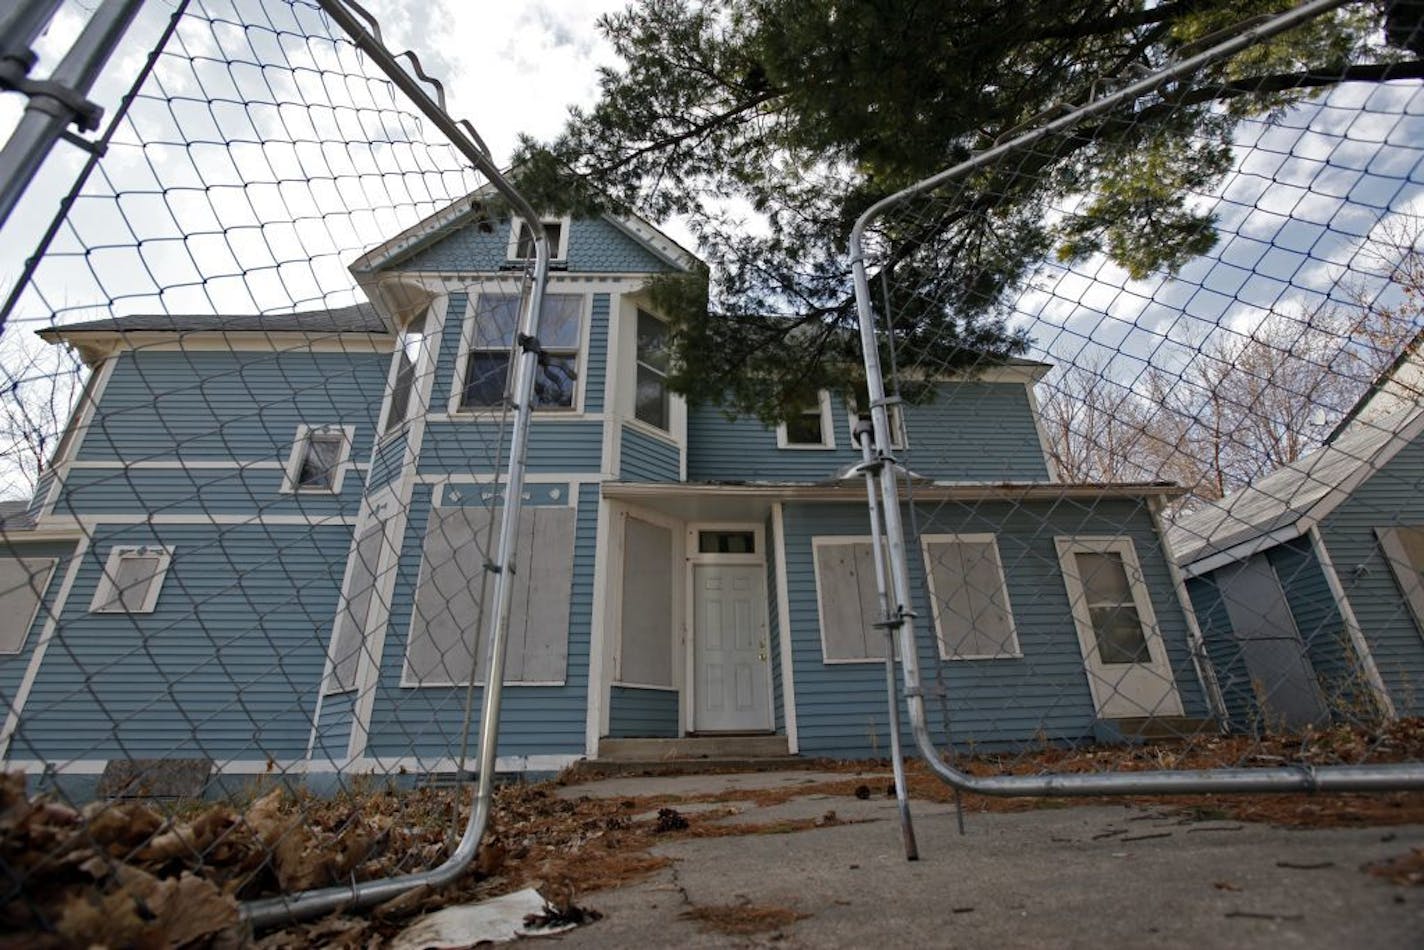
x=1078, y=596
x=926, y=541
x=297, y=455
x=462, y=358
x=898, y=437
x=561, y=252
x=41, y=589
x=418, y=401
x=828, y=429
x=830, y=541
x=105, y=591
x=694, y=556
x=637, y=364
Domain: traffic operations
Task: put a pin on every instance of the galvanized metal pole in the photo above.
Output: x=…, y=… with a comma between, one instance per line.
x=314, y=903
x=20, y=25
x=60, y=100
x=889, y=621
x=1302, y=778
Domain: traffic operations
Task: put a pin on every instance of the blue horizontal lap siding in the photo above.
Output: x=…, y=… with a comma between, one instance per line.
x=234, y=404
x=972, y=431
x=14, y=665
x=1223, y=650
x=1327, y=643
x=226, y=666
x=1392, y=496
x=841, y=708
x=386, y=461
x=647, y=458
x=642, y=713
x=535, y=720
x=594, y=246
x=199, y=491
x=597, y=366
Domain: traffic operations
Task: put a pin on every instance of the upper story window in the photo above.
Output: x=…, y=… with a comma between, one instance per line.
x=860, y=412
x=132, y=578
x=809, y=427
x=489, y=340
x=317, y=462
x=408, y=351
x=650, y=402
x=521, y=239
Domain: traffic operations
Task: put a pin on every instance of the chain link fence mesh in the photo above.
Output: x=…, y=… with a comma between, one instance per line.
x=1196, y=526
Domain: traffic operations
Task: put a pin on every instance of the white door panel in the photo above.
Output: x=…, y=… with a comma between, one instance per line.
x=730, y=648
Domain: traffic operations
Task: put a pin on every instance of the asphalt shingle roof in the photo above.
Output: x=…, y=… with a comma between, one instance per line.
x=1285, y=496
x=360, y=318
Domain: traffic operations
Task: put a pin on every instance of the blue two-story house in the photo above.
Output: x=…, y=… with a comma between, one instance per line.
x=263, y=541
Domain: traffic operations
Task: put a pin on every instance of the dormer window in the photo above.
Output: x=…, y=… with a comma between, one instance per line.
x=809, y=427
x=521, y=239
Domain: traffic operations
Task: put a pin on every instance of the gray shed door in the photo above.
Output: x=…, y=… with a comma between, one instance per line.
x=1270, y=646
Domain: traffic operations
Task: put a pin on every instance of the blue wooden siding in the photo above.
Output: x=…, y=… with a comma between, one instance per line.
x=1392, y=496
x=556, y=446
x=642, y=713
x=14, y=665
x=233, y=404
x=594, y=246
x=841, y=708
x=1327, y=642
x=42, y=487
x=226, y=666
x=597, y=366
x=535, y=720
x=647, y=458
x=973, y=431
x=198, y=491
x=773, y=627
x=1224, y=653
x=386, y=460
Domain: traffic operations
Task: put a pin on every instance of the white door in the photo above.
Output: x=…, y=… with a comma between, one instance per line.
x=1129, y=673
x=730, y=650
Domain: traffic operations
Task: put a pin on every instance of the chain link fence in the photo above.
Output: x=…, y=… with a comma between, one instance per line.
x=269, y=380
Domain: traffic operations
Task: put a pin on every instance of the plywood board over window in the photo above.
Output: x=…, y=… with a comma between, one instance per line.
x=23, y=582
x=645, y=649
x=969, y=597
x=1404, y=549
x=848, y=600
x=450, y=625
x=362, y=575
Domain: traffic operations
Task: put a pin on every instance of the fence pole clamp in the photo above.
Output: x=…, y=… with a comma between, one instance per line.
x=54, y=97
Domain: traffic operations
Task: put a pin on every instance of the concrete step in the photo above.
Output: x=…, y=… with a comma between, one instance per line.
x=1153, y=728
x=694, y=748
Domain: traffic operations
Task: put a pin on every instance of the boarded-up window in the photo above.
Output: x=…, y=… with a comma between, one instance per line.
x=453, y=602
x=1404, y=548
x=645, y=654
x=351, y=620
x=23, y=581
x=972, y=615
x=848, y=600
x=131, y=581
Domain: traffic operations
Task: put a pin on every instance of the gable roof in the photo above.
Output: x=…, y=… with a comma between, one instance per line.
x=1380, y=384
x=1286, y=503
x=472, y=208
x=359, y=318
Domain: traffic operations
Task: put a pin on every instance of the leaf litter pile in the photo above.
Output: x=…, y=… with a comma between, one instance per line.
x=140, y=874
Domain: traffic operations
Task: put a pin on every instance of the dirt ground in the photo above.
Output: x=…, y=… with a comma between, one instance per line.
x=138, y=874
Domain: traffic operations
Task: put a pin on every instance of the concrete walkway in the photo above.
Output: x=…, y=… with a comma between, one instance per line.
x=1057, y=876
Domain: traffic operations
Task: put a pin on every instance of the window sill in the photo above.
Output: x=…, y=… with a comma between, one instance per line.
x=976, y=659
x=647, y=428
x=806, y=448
